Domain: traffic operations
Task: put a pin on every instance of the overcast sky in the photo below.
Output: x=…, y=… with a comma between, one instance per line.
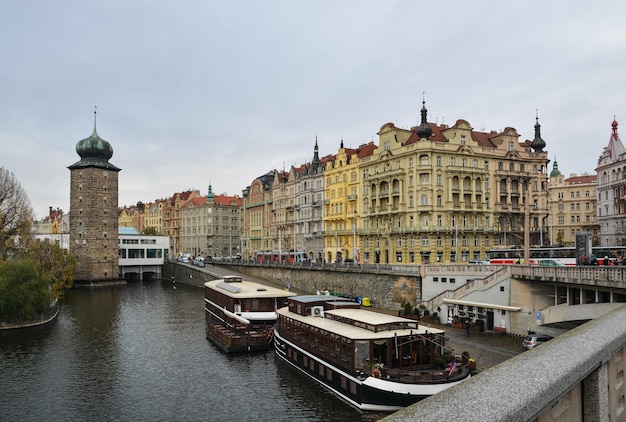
x=192, y=92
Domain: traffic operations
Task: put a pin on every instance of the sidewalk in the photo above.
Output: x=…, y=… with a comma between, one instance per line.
x=487, y=349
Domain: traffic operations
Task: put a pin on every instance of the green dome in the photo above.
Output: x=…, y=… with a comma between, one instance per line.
x=94, y=147
x=94, y=152
x=555, y=170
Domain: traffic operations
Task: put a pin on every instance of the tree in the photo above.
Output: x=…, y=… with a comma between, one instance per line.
x=150, y=231
x=53, y=264
x=16, y=214
x=23, y=294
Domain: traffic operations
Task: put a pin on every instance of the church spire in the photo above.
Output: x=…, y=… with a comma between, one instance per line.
x=316, y=164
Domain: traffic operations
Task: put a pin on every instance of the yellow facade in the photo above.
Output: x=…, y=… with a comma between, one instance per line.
x=449, y=198
x=341, y=206
x=572, y=207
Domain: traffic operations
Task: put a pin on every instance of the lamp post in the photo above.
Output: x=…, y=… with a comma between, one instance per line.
x=354, y=248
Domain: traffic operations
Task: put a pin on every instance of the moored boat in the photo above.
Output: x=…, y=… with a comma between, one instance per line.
x=240, y=314
x=372, y=360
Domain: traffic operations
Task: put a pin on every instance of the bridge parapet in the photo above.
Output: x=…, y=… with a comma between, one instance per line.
x=579, y=375
x=593, y=276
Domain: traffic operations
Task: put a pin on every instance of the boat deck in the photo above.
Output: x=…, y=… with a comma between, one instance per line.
x=240, y=337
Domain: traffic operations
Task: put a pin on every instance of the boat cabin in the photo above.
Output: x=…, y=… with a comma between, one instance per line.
x=339, y=331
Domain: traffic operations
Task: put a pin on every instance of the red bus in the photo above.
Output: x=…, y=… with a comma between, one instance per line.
x=283, y=256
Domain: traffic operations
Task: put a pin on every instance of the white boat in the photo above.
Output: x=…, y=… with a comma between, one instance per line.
x=372, y=360
x=241, y=314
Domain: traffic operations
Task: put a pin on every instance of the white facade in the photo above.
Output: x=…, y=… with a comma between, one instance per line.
x=611, y=204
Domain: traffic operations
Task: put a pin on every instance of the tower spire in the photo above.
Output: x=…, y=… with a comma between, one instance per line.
x=424, y=131
x=537, y=144
x=95, y=115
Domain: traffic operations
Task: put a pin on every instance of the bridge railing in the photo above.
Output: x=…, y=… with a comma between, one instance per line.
x=576, y=376
x=578, y=274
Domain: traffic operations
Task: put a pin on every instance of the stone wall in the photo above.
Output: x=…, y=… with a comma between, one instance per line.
x=384, y=290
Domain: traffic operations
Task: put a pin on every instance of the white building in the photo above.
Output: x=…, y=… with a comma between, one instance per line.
x=141, y=257
x=611, y=204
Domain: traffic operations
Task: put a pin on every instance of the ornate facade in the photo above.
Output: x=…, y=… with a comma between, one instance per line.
x=571, y=207
x=611, y=173
x=257, y=216
x=439, y=194
x=211, y=225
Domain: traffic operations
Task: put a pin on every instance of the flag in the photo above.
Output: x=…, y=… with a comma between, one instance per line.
x=452, y=367
x=275, y=305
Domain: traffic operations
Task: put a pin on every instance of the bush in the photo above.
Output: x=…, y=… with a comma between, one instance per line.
x=23, y=293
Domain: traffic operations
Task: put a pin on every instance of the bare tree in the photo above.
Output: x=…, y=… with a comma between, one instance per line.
x=16, y=212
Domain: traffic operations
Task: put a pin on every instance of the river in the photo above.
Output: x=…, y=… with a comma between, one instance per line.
x=139, y=353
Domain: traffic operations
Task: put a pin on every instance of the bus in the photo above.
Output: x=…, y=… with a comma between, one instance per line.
x=565, y=255
x=281, y=256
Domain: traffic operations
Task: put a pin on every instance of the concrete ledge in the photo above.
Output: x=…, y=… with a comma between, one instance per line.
x=521, y=388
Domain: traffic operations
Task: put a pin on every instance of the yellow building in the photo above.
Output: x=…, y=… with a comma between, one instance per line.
x=439, y=194
x=341, y=203
x=124, y=218
x=572, y=207
x=153, y=216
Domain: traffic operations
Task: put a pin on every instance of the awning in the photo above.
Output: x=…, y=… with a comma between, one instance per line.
x=483, y=305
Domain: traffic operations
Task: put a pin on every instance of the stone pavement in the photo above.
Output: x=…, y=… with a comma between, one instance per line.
x=487, y=349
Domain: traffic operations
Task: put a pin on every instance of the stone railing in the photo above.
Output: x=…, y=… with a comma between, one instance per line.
x=574, y=377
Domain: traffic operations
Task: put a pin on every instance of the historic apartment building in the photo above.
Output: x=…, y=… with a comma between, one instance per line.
x=342, y=191
x=309, y=224
x=258, y=220
x=571, y=207
x=93, y=211
x=440, y=194
x=611, y=205
x=211, y=225
x=429, y=194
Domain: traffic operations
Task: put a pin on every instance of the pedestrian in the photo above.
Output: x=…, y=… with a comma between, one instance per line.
x=467, y=327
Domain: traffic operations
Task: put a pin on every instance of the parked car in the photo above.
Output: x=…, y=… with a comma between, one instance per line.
x=479, y=262
x=534, y=340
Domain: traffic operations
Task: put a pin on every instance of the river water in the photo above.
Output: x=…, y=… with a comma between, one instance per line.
x=139, y=353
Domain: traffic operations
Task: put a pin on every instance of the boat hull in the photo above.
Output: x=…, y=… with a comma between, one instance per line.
x=360, y=390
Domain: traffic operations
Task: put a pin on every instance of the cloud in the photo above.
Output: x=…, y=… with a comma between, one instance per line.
x=193, y=93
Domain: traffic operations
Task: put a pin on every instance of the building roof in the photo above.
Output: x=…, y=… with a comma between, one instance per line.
x=127, y=231
x=94, y=152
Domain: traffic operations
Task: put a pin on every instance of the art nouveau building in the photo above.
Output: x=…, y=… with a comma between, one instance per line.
x=439, y=194
x=611, y=205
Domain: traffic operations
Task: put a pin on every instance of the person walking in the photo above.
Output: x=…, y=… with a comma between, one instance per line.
x=467, y=327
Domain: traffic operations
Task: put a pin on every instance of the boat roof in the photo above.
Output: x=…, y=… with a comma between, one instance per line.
x=364, y=316
x=236, y=287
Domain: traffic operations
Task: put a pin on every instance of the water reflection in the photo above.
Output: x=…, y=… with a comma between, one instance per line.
x=138, y=352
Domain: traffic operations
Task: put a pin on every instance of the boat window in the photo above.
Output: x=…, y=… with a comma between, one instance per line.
x=361, y=354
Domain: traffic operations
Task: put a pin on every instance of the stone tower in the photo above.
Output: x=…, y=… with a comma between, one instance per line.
x=93, y=211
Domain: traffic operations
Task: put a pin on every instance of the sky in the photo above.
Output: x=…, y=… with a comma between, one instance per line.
x=192, y=93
